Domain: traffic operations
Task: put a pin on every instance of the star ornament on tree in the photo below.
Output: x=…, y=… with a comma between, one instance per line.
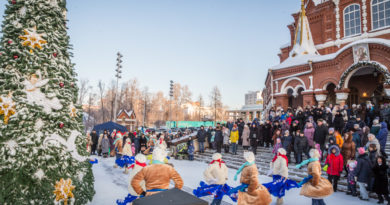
x=63, y=190
x=32, y=39
x=7, y=107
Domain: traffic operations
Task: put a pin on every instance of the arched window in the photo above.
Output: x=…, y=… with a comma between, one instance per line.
x=352, y=25
x=380, y=13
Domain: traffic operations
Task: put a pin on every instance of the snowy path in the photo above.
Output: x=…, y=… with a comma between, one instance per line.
x=111, y=184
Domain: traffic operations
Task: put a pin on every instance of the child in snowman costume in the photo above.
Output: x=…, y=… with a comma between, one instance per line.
x=140, y=163
x=157, y=176
x=280, y=183
x=127, y=152
x=215, y=176
x=251, y=191
x=314, y=186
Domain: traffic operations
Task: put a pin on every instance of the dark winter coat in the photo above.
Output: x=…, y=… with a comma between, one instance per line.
x=363, y=169
x=320, y=134
x=201, y=135
x=382, y=135
x=381, y=180
x=267, y=132
x=253, y=136
x=356, y=139
x=287, y=142
x=218, y=136
x=301, y=145
x=143, y=142
x=335, y=162
x=375, y=129
x=94, y=138
x=372, y=156
x=338, y=122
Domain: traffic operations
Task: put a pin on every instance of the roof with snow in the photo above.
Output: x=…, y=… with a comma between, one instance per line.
x=303, y=42
x=128, y=113
x=303, y=59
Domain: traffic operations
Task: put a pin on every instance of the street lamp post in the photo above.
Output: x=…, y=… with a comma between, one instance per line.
x=118, y=76
x=170, y=102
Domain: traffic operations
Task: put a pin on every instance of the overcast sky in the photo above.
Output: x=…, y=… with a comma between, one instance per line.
x=199, y=43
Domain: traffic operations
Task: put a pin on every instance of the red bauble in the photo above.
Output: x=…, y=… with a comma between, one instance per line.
x=9, y=42
x=16, y=57
x=61, y=84
x=55, y=55
x=13, y=1
x=61, y=125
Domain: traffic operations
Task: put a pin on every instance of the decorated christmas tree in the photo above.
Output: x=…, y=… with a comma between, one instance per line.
x=43, y=158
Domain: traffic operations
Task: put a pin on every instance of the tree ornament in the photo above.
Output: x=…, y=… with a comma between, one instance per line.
x=62, y=84
x=35, y=96
x=55, y=55
x=73, y=111
x=61, y=125
x=16, y=57
x=72, y=85
x=32, y=39
x=7, y=107
x=13, y=2
x=9, y=42
x=63, y=190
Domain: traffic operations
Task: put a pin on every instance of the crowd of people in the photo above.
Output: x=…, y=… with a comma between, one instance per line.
x=350, y=141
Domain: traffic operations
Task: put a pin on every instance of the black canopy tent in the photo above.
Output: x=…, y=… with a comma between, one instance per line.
x=110, y=126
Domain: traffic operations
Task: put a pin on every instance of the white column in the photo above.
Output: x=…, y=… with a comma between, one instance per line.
x=364, y=8
x=337, y=11
x=311, y=82
x=277, y=86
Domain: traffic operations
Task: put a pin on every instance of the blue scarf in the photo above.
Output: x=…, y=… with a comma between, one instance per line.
x=306, y=162
x=157, y=162
x=241, y=168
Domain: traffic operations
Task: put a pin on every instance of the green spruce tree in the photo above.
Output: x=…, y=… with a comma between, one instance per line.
x=41, y=140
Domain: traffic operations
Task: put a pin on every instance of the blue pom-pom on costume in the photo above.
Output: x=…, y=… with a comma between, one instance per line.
x=129, y=198
x=216, y=190
x=279, y=186
x=94, y=162
x=125, y=161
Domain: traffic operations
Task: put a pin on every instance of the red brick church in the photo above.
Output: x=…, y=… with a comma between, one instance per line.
x=339, y=54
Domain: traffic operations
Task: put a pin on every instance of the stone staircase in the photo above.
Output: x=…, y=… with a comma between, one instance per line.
x=264, y=157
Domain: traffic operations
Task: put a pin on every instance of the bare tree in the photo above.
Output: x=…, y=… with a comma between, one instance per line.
x=101, y=93
x=216, y=101
x=83, y=90
x=200, y=105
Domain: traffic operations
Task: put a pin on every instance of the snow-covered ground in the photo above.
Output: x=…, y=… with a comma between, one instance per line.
x=111, y=184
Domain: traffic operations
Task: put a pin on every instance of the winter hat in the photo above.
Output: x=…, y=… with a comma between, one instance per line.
x=361, y=150
x=140, y=158
x=119, y=135
x=159, y=154
x=282, y=151
x=331, y=129
x=217, y=156
x=375, y=122
x=249, y=156
x=314, y=153
x=352, y=165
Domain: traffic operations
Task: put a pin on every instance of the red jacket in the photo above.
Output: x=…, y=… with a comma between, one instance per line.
x=335, y=164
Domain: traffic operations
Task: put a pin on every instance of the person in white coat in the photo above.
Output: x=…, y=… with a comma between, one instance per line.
x=215, y=176
x=140, y=162
x=127, y=151
x=280, y=183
